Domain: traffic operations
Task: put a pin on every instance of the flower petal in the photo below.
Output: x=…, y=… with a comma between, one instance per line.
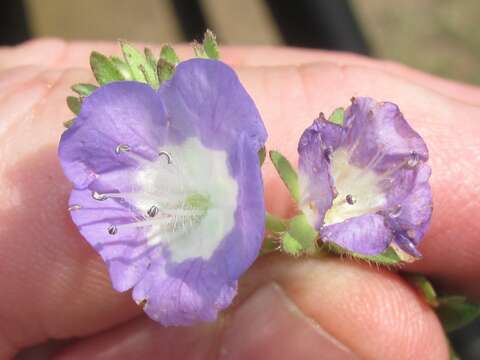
x=205, y=98
x=378, y=136
x=183, y=294
x=367, y=234
x=119, y=113
x=410, y=215
x=126, y=251
x=316, y=183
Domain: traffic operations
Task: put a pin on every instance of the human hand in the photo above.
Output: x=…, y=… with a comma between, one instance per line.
x=55, y=286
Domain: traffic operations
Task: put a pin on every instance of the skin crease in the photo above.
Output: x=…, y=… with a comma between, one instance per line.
x=55, y=286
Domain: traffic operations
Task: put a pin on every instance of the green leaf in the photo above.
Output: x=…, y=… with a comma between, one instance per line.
x=290, y=245
x=455, y=312
x=84, y=89
x=210, y=45
x=337, y=116
x=425, y=288
x=165, y=70
x=261, y=155
x=103, y=69
x=74, y=104
x=287, y=173
x=275, y=224
x=300, y=229
x=122, y=67
x=169, y=55
x=141, y=69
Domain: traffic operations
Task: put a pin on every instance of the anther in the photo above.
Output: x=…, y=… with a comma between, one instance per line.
x=98, y=196
x=112, y=229
x=153, y=211
x=74, y=207
x=142, y=303
x=167, y=155
x=328, y=152
x=411, y=233
x=350, y=199
x=396, y=211
x=413, y=160
x=122, y=148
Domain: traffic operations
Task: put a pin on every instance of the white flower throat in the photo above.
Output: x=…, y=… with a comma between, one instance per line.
x=358, y=190
x=187, y=198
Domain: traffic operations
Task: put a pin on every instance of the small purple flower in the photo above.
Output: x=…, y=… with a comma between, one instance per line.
x=168, y=188
x=364, y=185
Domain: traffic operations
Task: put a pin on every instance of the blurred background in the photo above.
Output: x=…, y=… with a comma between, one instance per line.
x=437, y=36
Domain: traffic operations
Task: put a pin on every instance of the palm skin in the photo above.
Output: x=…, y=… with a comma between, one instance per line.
x=54, y=286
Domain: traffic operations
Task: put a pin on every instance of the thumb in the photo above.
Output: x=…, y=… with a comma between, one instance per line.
x=291, y=308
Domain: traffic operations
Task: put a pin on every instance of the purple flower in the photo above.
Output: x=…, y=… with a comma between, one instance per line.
x=364, y=185
x=168, y=189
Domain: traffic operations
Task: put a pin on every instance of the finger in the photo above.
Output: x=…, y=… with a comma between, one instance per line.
x=290, y=308
x=57, y=53
x=44, y=258
x=53, y=285
x=289, y=98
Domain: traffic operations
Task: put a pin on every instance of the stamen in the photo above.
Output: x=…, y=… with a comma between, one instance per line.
x=122, y=148
x=167, y=155
x=112, y=229
x=152, y=211
x=142, y=303
x=395, y=212
x=414, y=159
x=99, y=197
x=350, y=199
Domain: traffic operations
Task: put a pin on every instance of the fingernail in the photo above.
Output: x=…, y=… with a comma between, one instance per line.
x=268, y=325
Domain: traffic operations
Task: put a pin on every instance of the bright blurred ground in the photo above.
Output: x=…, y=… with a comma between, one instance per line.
x=438, y=36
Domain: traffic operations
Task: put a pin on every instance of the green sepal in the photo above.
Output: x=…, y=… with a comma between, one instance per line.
x=456, y=311
x=388, y=257
x=68, y=124
x=74, y=104
x=84, y=89
x=165, y=70
x=103, y=69
x=262, y=153
x=152, y=62
x=270, y=244
x=300, y=229
x=425, y=287
x=199, y=50
x=141, y=69
x=169, y=55
x=122, y=67
x=337, y=116
x=275, y=224
x=210, y=45
x=287, y=173
x=291, y=245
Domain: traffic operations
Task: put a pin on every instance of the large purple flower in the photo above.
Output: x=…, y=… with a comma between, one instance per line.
x=168, y=189
x=364, y=184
